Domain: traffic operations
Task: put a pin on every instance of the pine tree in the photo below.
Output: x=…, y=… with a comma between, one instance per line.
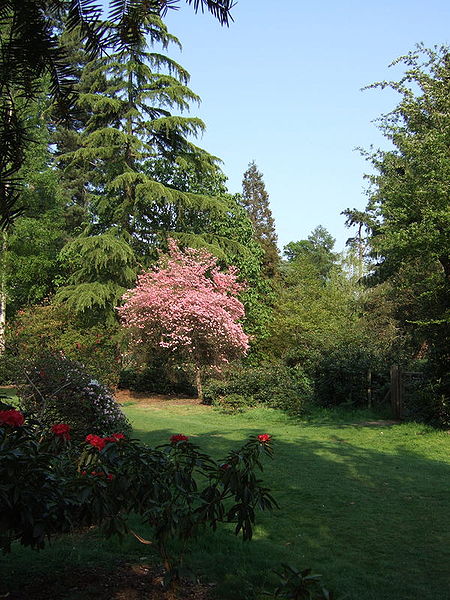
x=255, y=200
x=128, y=99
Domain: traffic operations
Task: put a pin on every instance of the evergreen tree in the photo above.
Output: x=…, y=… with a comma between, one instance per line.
x=29, y=51
x=128, y=99
x=255, y=200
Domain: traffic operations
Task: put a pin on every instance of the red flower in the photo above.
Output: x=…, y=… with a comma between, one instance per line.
x=96, y=441
x=11, y=417
x=264, y=437
x=83, y=473
x=61, y=430
x=115, y=437
x=179, y=437
x=225, y=466
x=110, y=476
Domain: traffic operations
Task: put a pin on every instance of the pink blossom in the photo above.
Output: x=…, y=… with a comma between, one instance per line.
x=189, y=306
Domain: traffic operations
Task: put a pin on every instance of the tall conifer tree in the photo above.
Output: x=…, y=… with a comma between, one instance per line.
x=255, y=200
x=127, y=100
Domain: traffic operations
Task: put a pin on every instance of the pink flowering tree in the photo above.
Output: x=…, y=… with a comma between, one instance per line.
x=187, y=305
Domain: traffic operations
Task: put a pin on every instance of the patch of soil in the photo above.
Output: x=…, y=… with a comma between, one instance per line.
x=160, y=400
x=387, y=423
x=126, y=582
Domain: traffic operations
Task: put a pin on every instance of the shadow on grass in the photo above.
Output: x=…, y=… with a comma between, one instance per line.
x=374, y=522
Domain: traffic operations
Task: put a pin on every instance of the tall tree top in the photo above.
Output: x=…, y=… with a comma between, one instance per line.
x=255, y=200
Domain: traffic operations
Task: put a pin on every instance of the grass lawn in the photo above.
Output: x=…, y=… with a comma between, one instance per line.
x=366, y=506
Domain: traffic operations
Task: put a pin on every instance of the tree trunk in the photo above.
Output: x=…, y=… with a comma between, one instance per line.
x=3, y=292
x=198, y=383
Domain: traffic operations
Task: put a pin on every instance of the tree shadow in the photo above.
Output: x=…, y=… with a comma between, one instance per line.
x=374, y=522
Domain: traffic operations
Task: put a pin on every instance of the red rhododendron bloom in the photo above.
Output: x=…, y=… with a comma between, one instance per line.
x=11, y=417
x=96, y=440
x=115, y=437
x=264, y=437
x=61, y=430
x=179, y=437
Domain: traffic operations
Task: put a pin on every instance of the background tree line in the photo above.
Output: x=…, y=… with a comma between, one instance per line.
x=103, y=184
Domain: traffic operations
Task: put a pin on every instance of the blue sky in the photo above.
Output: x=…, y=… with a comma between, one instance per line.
x=281, y=86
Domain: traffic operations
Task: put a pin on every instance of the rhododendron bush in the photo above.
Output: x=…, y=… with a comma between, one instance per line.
x=50, y=486
x=187, y=305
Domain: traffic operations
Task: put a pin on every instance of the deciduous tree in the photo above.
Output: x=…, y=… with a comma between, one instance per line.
x=408, y=214
x=190, y=307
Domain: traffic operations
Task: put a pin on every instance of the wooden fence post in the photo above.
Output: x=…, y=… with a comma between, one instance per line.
x=369, y=388
x=396, y=391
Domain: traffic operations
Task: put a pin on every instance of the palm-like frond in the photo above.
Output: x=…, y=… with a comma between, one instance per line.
x=29, y=50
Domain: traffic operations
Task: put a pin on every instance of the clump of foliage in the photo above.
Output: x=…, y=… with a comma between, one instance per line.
x=342, y=376
x=54, y=329
x=48, y=486
x=299, y=585
x=56, y=389
x=272, y=384
x=233, y=403
x=158, y=377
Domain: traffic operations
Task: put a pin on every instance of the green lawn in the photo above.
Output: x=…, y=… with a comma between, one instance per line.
x=368, y=507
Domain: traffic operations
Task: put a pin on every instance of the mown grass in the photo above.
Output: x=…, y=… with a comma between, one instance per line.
x=366, y=506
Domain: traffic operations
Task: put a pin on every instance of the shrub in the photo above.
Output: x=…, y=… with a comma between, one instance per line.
x=299, y=585
x=47, y=486
x=54, y=329
x=56, y=389
x=272, y=384
x=158, y=377
x=341, y=377
x=429, y=403
x=234, y=403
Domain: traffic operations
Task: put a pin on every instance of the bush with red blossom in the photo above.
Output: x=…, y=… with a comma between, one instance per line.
x=48, y=485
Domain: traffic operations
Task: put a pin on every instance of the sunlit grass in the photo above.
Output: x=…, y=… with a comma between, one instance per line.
x=366, y=506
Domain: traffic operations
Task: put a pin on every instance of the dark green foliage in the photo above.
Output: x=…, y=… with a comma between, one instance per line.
x=158, y=377
x=342, y=377
x=299, y=585
x=47, y=486
x=30, y=51
x=272, y=384
x=233, y=403
x=429, y=403
x=57, y=390
x=36, y=498
x=255, y=200
x=54, y=329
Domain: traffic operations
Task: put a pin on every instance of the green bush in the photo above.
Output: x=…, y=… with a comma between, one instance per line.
x=272, y=384
x=299, y=585
x=429, y=403
x=54, y=329
x=56, y=389
x=234, y=403
x=157, y=378
x=48, y=486
x=342, y=377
